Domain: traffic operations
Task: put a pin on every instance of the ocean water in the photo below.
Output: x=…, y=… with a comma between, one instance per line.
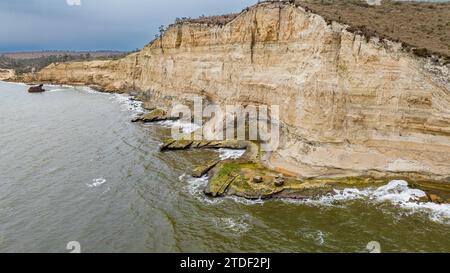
x=74, y=168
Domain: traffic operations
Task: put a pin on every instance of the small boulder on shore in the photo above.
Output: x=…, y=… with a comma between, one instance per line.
x=36, y=89
x=279, y=180
x=257, y=179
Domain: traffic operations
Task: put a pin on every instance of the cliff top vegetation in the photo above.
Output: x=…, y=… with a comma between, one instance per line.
x=423, y=27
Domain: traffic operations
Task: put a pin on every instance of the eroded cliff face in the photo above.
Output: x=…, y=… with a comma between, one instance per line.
x=6, y=74
x=348, y=106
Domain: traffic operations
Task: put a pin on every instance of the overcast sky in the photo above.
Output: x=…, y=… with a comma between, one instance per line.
x=27, y=25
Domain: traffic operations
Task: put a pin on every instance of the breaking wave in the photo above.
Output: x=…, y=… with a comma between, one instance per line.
x=87, y=89
x=187, y=127
x=230, y=154
x=97, y=182
x=235, y=225
x=396, y=192
x=317, y=236
x=128, y=103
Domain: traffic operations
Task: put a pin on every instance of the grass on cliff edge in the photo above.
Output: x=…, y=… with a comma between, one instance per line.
x=423, y=25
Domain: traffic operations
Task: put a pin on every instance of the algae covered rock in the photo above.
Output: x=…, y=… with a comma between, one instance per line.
x=199, y=144
x=203, y=169
x=148, y=106
x=224, y=174
x=236, y=178
x=154, y=115
x=228, y=144
x=179, y=145
x=172, y=144
x=254, y=181
x=166, y=143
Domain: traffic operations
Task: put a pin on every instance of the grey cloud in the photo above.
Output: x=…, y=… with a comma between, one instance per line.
x=96, y=24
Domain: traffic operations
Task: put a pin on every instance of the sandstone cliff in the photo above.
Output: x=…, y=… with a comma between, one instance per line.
x=6, y=74
x=350, y=106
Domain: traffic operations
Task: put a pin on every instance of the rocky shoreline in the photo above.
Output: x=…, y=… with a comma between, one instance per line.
x=249, y=178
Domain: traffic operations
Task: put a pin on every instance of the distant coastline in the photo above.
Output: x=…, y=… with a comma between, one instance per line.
x=20, y=55
x=31, y=61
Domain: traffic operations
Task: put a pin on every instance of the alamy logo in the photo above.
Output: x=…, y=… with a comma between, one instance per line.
x=374, y=247
x=74, y=247
x=73, y=2
x=259, y=123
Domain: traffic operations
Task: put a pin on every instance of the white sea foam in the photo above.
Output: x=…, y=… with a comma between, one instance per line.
x=187, y=127
x=396, y=192
x=245, y=201
x=195, y=187
x=57, y=90
x=236, y=225
x=57, y=86
x=230, y=154
x=126, y=101
x=182, y=177
x=128, y=104
x=88, y=90
x=97, y=182
x=318, y=236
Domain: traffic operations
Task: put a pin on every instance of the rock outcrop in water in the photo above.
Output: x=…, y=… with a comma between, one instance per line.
x=36, y=89
x=353, y=107
x=152, y=116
